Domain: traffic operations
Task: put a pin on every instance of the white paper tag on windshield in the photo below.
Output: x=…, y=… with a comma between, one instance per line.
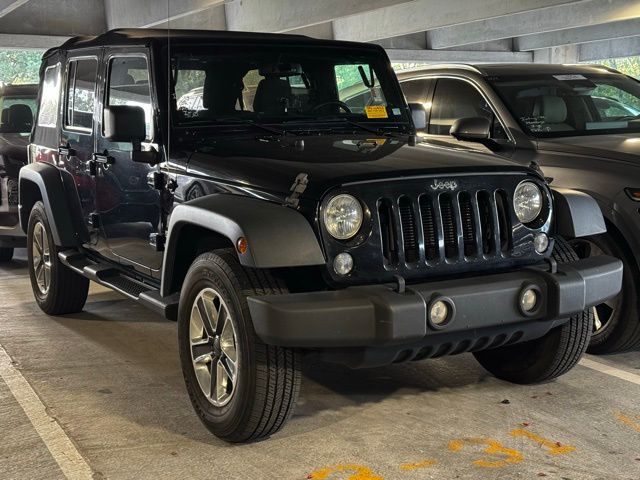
x=566, y=78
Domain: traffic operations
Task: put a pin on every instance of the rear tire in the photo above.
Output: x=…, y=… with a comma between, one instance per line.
x=253, y=389
x=550, y=356
x=57, y=289
x=6, y=254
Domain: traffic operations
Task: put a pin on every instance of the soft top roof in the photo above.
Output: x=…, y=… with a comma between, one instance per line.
x=145, y=36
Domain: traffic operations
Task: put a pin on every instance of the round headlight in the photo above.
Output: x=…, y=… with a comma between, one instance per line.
x=343, y=216
x=527, y=202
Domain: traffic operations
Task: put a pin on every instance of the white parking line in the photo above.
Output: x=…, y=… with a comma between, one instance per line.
x=609, y=370
x=61, y=447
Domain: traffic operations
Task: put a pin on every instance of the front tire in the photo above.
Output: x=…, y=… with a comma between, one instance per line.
x=617, y=321
x=57, y=289
x=550, y=356
x=241, y=388
x=6, y=254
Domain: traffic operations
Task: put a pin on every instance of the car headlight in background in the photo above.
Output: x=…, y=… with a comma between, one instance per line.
x=527, y=202
x=343, y=216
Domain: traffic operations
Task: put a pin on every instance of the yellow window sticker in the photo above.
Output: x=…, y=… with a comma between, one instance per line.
x=376, y=111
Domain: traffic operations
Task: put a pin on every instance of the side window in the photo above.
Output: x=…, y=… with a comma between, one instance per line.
x=129, y=85
x=80, y=97
x=49, y=101
x=454, y=99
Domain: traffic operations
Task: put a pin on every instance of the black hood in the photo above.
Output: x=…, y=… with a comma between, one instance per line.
x=272, y=164
x=618, y=147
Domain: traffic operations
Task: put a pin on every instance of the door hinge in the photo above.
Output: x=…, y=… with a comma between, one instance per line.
x=297, y=189
x=94, y=220
x=157, y=241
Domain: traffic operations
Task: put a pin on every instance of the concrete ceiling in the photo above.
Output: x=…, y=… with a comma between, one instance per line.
x=559, y=31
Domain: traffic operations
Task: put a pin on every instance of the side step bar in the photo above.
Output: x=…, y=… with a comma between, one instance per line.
x=115, y=279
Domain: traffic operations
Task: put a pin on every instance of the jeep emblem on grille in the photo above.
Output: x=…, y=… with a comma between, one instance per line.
x=444, y=184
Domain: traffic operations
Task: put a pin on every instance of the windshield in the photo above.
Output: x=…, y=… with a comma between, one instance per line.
x=17, y=114
x=565, y=105
x=269, y=86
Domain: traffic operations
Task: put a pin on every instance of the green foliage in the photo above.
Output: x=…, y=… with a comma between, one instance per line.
x=19, y=66
x=629, y=65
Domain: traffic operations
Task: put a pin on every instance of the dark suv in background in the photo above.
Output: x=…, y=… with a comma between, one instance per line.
x=580, y=123
x=17, y=106
x=319, y=225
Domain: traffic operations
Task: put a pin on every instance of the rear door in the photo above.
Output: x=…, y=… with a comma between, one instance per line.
x=76, y=144
x=128, y=205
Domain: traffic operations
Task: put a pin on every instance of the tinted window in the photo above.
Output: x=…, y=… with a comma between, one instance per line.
x=129, y=85
x=454, y=99
x=81, y=85
x=48, y=116
x=416, y=91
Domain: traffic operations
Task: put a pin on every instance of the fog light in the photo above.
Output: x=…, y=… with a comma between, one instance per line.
x=541, y=242
x=343, y=263
x=529, y=300
x=439, y=312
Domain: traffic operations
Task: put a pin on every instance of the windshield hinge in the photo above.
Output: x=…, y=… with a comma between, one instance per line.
x=297, y=189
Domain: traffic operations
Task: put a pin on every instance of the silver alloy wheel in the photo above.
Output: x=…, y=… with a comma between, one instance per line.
x=604, y=312
x=41, y=254
x=214, y=349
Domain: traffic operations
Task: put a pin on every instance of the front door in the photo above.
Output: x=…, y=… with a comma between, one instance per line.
x=129, y=206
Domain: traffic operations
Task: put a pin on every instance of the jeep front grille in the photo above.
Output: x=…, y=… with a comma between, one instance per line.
x=445, y=227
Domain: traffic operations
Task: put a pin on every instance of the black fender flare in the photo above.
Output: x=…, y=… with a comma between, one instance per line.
x=46, y=182
x=577, y=214
x=277, y=236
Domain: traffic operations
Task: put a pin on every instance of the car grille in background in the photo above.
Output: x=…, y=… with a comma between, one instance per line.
x=450, y=227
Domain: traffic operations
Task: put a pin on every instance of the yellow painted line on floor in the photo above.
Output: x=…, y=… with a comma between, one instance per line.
x=56, y=440
x=609, y=370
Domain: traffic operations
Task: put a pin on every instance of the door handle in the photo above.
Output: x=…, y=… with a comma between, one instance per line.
x=103, y=158
x=66, y=150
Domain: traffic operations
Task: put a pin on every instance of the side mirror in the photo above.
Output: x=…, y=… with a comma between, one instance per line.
x=471, y=129
x=418, y=115
x=125, y=123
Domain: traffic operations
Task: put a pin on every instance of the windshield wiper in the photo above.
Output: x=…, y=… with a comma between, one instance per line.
x=246, y=121
x=366, y=128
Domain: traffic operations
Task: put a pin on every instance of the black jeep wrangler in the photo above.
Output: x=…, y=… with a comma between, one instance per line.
x=285, y=208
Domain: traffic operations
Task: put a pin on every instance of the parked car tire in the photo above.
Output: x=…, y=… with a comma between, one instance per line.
x=256, y=385
x=548, y=357
x=617, y=321
x=6, y=254
x=58, y=290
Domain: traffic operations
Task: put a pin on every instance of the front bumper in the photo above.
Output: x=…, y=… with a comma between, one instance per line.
x=380, y=316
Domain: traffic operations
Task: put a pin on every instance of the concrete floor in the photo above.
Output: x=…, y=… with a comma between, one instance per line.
x=109, y=377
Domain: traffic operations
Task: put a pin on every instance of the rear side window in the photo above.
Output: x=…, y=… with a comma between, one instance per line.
x=129, y=85
x=81, y=97
x=50, y=97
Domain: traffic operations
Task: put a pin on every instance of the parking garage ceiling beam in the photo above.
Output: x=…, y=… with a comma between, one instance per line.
x=575, y=14
x=156, y=13
x=286, y=15
x=618, y=48
x=423, y=15
x=30, y=42
x=457, y=56
x=573, y=36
